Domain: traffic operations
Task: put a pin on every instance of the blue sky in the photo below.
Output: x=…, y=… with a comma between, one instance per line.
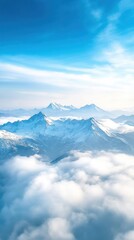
x=67, y=51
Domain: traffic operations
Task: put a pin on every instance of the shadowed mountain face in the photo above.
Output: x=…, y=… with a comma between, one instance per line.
x=54, y=138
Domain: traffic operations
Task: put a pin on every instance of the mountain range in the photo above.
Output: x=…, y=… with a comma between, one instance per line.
x=58, y=110
x=54, y=138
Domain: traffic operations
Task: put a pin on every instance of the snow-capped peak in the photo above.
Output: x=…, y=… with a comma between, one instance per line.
x=56, y=106
x=53, y=106
x=38, y=116
x=32, y=126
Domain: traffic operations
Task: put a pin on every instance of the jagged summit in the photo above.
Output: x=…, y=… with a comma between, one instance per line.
x=53, y=106
x=38, y=116
x=32, y=126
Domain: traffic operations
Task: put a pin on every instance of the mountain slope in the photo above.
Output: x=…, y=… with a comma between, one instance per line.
x=34, y=125
x=12, y=145
x=56, y=138
x=93, y=111
x=125, y=119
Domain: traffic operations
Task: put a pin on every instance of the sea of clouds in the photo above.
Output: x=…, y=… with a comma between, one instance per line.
x=82, y=197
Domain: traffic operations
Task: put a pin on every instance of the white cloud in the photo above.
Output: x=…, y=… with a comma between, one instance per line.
x=110, y=78
x=19, y=73
x=83, y=195
x=59, y=229
x=127, y=236
x=12, y=119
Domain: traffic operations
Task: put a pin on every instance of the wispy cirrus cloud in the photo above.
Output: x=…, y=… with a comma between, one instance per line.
x=111, y=72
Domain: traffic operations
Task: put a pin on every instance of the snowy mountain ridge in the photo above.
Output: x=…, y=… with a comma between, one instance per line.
x=55, y=109
x=39, y=124
x=54, y=138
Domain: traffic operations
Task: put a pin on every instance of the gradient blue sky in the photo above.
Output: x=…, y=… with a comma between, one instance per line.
x=66, y=51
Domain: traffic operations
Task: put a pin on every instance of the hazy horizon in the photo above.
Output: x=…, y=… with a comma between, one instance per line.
x=127, y=109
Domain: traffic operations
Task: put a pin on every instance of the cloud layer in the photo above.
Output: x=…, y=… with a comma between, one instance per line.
x=82, y=197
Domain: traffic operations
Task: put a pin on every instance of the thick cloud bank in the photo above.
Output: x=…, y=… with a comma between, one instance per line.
x=82, y=197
